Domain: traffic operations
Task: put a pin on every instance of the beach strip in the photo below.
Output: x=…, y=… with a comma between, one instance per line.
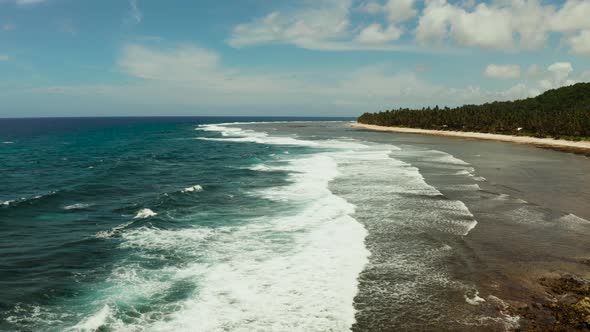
x=580, y=147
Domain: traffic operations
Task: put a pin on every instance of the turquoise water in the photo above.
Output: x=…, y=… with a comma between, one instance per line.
x=133, y=225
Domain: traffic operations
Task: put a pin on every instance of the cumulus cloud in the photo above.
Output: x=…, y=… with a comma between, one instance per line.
x=573, y=16
x=399, y=10
x=580, y=43
x=514, y=25
x=396, y=11
x=540, y=79
x=502, y=71
x=327, y=25
x=502, y=25
x=375, y=34
x=326, y=20
x=509, y=26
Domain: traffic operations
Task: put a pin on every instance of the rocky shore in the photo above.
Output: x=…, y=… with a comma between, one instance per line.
x=566, y=306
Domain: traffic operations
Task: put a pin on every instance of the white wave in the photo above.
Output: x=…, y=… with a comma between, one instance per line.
x=573, y=219
x=8, y=142
x=77, y=206
x=194, y=188
x=327, y=249
x=94, y=322
x=302, y=265
x=144, y=213
x=234, y=134
x=445, y=158
x=573, y=222
x=26, y=199
x=112, y=231
x=466, y=187
x=475, y=299
x=261, y=168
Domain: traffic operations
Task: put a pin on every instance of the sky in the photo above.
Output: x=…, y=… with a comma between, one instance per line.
x=283, y=57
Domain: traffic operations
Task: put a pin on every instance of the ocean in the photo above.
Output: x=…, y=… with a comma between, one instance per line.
x=272, y=224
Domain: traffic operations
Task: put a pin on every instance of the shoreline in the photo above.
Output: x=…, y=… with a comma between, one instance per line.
x=581, y=147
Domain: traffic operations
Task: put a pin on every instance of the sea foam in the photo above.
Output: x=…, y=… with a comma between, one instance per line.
x=144, y=213
x=194, y=188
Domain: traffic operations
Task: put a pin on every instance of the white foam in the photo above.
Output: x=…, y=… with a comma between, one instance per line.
x=573, y=222
x=573, y=219
x=295, y=270
x=112, y=231
x=238, y=135
x=475, y=299
x=26, y=199
x=94, y=322
x=261, y=168
x=195, y=188
x=144, y=213
x=7, y=142
x=445, y=158
x=307, y=284
x=77, y=206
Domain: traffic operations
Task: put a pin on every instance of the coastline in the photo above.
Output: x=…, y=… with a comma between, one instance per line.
x=581, y=147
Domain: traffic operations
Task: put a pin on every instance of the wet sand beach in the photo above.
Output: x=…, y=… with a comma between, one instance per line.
x=579, y=147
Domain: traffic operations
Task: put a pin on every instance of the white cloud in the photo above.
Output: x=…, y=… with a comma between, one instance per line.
x=4, y=57
x=559, y=75
x=396, y=11
x=399, y=10
x=556, y=75
x=581, y=43
x=502, y=24
x=326, y=21
x=502, y=71
x=375, y=34
x=573, y=16
x=183, y=63
x=517, y=24
x=326, y=25
x=191, y=77
x=371, y=7
x=534, y=71
x=505, y=25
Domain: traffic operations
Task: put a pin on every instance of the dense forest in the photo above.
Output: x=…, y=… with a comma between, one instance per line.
x=563, y=112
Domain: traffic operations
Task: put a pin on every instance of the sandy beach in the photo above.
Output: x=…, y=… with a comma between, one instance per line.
x=582, y=147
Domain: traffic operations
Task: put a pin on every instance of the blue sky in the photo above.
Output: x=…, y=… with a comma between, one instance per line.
x=263, y=57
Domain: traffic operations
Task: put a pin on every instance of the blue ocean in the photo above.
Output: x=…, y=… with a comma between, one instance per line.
x=169, y=224
x=272, y=224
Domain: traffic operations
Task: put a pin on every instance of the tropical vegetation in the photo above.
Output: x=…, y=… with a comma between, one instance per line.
x=563, y=112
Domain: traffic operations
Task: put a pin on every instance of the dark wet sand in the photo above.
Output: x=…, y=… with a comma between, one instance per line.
x=532, y=210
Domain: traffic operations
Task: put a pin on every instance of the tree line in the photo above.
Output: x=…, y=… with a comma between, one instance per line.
x=563, y=112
